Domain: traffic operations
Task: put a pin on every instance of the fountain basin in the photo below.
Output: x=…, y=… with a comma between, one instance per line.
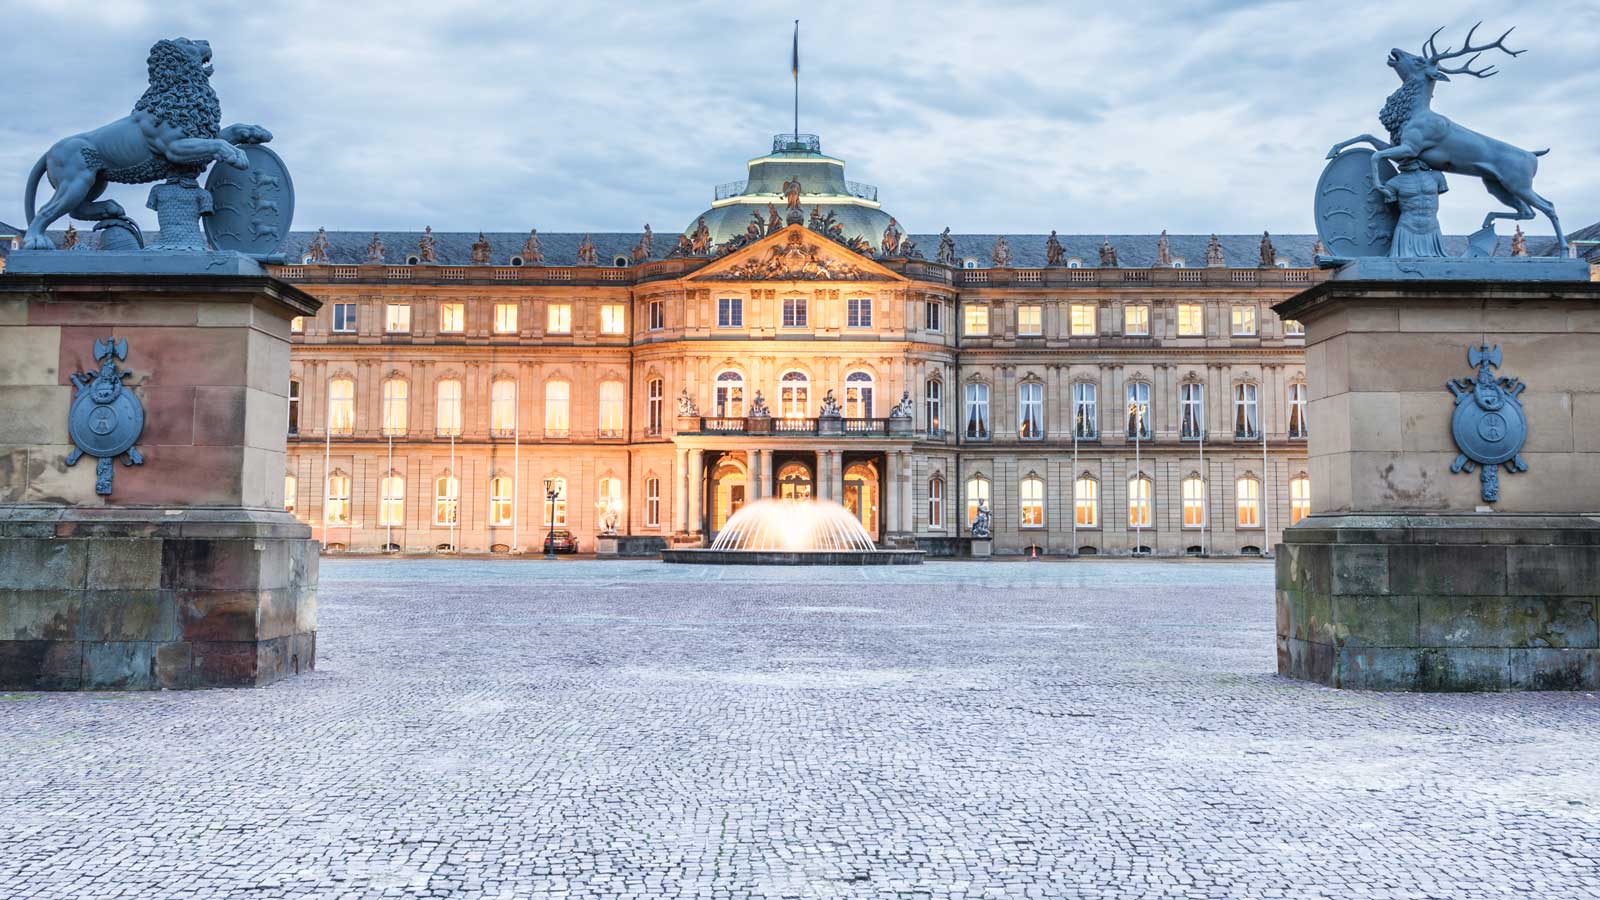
x=774, y=532
x=709, y=556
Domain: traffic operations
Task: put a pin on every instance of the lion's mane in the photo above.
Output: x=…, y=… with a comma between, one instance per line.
x=180, y=94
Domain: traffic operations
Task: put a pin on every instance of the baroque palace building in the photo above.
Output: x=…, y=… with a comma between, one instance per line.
x=1103, y=394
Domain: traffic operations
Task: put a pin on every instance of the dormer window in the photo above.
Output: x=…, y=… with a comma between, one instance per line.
x=969, y=263
x=1074, y=263
x=517, y=261
x=1177, y=263
x=413, y=260
x=620, y=262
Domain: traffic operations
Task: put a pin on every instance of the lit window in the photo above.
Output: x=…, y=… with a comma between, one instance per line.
x=655, y=392
x=977, y=492
x=505, y=318
x=1298, y=427
x=652, y=502
x=1031, y=493
x=1192, y=407
x=446, y=500
x=397, y=318
x=297, y=325
x=1139, y=410
x=447, y=420
x=559, y=320
x=613, y=318
x=611, y=402
x=608, y=495
x=396, y=405
x=1244, y=320
x=1244, y=411
x=1030, y=410
x=794, y=312
x=730, y=312
x=1085, y=410
x=1030, y=320
x=500, y=505
x=1136, y=320
x=933, y=315
x=392, y=502
x=1191, y=320
x=452, y=318
x=557, y=404
x=344, y=318
x=555, y=512
x=1194, y=502
x=1139, y=502
x=291, y=487
x=1083, y=320
x=936, y=502
x=1248, y=492
x=294, y=407
x=658, y=315
x=794, y=395
x=858, y=312
x=978, y=411
x=1299, y=498
x=342, y=406
x=1086, y=502
x=976, y=320
x=1294, y=328
x=728, y=398
x=935, y=406
x=503, y=407
x=858, y=395
x=338, y=506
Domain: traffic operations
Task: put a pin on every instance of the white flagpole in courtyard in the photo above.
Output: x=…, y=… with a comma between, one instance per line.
x=456, y=476
x=1266, y=504
x=1205, y=479
x=516, y=466
x=1072, y=476
x=383, y=512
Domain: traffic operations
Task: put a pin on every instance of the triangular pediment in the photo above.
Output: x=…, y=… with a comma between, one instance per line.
x=795, y=254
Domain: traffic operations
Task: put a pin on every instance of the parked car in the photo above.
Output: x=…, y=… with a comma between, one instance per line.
x=560, y=541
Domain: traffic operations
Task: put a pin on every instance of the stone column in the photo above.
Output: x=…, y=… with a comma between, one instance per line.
x=696, y=490
x=680, y=499
x=820, y=481
x=753, y=481
x=908, y=519
x=836, y=482
x=889, y=490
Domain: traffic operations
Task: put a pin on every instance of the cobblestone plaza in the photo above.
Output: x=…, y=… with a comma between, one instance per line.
x=527, y=729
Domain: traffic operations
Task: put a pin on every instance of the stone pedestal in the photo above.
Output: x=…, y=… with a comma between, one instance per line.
x=629, y=546
x=982, y=548
x=189, y=573
x=1405, y=577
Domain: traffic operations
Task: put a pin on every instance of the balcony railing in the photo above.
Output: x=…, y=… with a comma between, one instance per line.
x=731, y=189
x=805, y=427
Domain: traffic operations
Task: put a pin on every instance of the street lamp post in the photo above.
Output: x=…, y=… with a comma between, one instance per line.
x=551, y=494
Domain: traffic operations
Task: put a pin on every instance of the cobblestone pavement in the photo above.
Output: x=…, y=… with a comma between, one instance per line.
x=526, y=729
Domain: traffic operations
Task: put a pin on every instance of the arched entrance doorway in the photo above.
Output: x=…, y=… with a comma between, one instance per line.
x=862, y=496
x=794, y=481
x=728, y=490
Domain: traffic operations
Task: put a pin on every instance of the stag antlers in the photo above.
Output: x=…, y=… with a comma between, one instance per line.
x=1436, y=56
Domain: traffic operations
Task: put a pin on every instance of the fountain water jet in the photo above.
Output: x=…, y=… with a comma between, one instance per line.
x=793, y=532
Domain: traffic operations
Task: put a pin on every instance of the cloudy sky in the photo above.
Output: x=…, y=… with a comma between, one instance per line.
x=989, y=116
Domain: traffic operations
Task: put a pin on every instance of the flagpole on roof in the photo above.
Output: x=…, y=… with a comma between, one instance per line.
x=794, y=68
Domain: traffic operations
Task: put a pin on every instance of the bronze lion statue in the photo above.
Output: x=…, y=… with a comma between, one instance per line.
x=173, y=132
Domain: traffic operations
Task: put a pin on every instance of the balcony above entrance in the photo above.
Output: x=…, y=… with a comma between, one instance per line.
x=793, y=427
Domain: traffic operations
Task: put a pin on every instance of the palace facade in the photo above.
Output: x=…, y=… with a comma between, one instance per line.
x=1103, y=394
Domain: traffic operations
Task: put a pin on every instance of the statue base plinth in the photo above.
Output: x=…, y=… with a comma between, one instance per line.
x=131, y=262
x=982, y=548
x=629, y=546
x=1472, y=268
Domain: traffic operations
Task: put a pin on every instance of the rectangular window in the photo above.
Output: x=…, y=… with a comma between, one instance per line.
x=397, y=318
x=976, y=322
x=1192, y=409
x=1086, y=503
x=1294, y=328
x=1244, y=320
x=291, y=486
x=1194, y=503
x=294, y=407
x=500, y=505
x=613, y=318
x=1139, y=503
x=505, y=318
x=392, y=503
x=297, y=325
x=977, y=495
x=396, y=397
x=1297, y=412
x=936, y=503
x=1083, y=320
x=658, y=315
x=652, y=502
x=1136, y=320
x=794, y=312
x=655, y=393
x=730, y=312
x=933, y=315
x=1030, y=411
x=446, y=501
x=555, y=510
x=341, y=406
x=1299, y=499
x=1032, y=495
x=1030, y=320
x=447, y=418
x=1191, y=320
x=557, y=401
x=611, y=402
x=338, y=505
x=1245, y=424
x=1085, y=410
x=1248, y=492
x=503, y=407
x=1139, y=410
x=452, y=318
x=344, y=318
x=858, y=312
x=935, y=407
x=560, y=318
x=978, y=411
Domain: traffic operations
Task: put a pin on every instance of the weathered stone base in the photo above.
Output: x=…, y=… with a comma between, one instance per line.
x=629, y=546
x=1441, y=603
x=147, y=599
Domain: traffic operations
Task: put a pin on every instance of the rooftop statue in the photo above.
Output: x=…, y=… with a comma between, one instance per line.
x=1519, y=243
x=1001, y=254
x=1214, y=255
x=427, y=250
x=1163, y=251
x=791, y=192
x=1416, y=132
x=1053, y=250
x=908, y=249
x=1108, y=255
x=774, y=221
x=375, y=250
x=891, y=238
x=532, y=250
x=482, y=252
x=700, y=240
x=69, y=241
x=173, y=132
x=1269, y=253
x=947, y=248
x=587, y=256
x=646, y=245
x=317, y=250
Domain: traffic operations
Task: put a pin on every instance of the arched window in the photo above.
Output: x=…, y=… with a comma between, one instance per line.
x=557, y=407
x=448, y=416
x=294, y=406
x=1297, y=411
x=503, y=407
x=1086, y=502
x=338, y=505
x=396, y=406
x=1085, y=410
x=291, y=488
x=1139, y=410
x=1245, y=422
x=1247, y=493
x=794, y=395
x=500, y=501
x=1192, y=410
x=652, y=502
x=608, y=495
x=933, y=391
x=977, y=492
x=1074, y=263
x=342, y=406
x=1031, y=494
x=446, y=500
x=858, y=395
x=555, y=512
x=392, y=500
x=611, y=406
x=1139, y=492
x=655, y=392
x=1299, y=498
x=728, y=399
x=1194, y=502
x=936, y=502
x=1030, y=410
x=977, y=411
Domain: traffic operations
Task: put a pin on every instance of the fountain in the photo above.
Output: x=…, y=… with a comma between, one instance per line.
x=793, y=533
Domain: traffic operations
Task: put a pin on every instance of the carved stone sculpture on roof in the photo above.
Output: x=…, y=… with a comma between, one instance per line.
x=69, y=241
x=1319, y=249
x=791, y=192
x=317, y=250
x=427, y=251
x=587, y=255
x=482, y=252
x=642, y=250
x=1269, y=253
x=795, y=260
x=375, y=250
x=909, y=249
x=860, y=245
x=683, y=247
x=1108, y=255
x=774, y=221
x=532, y=249
x=1163, y=251
x=1053, y=251
x=947, y=248
x=700, y=240
x=815, y=222
x=755, y=228
x=1001, y=254
x=1519, y=243
x=1214, y=255
x=891, y=238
